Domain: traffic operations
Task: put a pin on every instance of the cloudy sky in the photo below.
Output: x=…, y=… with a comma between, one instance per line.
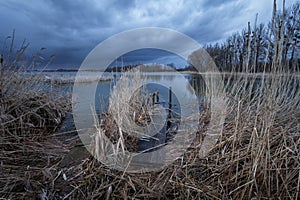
x=70, y=29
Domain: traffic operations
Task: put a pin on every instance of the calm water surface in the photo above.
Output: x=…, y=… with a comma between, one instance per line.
x=185, y=88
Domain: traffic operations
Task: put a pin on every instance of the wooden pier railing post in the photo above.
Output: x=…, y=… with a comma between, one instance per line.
x=170, y=109
x=153, y=99
x=170, y=102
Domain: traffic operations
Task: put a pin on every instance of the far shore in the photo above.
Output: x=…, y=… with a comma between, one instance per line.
x=259, y=74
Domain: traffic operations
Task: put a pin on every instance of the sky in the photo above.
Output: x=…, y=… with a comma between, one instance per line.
x=70, y=29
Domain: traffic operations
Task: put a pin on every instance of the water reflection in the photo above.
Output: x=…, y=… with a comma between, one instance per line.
x=198, y=84
x=185, y=87
x=185, y=84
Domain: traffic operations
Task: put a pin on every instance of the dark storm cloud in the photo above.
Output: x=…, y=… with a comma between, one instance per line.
x=147, y=56
x=72, y=28
x=224, y=17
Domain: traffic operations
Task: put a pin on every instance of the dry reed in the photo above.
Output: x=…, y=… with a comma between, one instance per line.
x=257, y=156
x=28, y=117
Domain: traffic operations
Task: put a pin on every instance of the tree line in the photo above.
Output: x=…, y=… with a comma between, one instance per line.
x=258, y=46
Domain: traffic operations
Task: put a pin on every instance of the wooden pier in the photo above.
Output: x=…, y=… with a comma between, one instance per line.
x=150, y=153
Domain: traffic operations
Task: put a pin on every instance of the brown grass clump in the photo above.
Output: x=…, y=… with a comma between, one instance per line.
x=28, y=117
x=111, y=128
x=127, y=112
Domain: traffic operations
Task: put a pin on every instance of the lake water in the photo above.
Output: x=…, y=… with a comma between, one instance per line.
x=186, y=88
x=188, y=91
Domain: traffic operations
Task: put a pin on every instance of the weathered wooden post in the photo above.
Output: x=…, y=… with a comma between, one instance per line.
x=157, y=96
x=153, y=100
x=170, y=109
x=170, y=102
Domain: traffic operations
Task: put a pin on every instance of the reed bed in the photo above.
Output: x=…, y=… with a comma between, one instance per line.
x=256, y=156
x=69, y=79
x=29, y=115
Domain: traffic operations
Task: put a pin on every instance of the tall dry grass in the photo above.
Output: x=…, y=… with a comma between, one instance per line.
x=29, y=115
x=122, y=111
x=256, y=157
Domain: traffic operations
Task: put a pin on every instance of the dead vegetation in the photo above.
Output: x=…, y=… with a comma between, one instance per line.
x=256, y=157
x=28, y=117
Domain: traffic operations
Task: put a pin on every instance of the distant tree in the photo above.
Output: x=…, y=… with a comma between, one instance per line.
x=254, y=48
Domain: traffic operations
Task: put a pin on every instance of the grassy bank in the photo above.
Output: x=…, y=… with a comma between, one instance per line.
x=256, y=156
x=28, y=118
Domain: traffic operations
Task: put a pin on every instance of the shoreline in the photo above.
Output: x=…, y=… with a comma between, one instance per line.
x=170, y=72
